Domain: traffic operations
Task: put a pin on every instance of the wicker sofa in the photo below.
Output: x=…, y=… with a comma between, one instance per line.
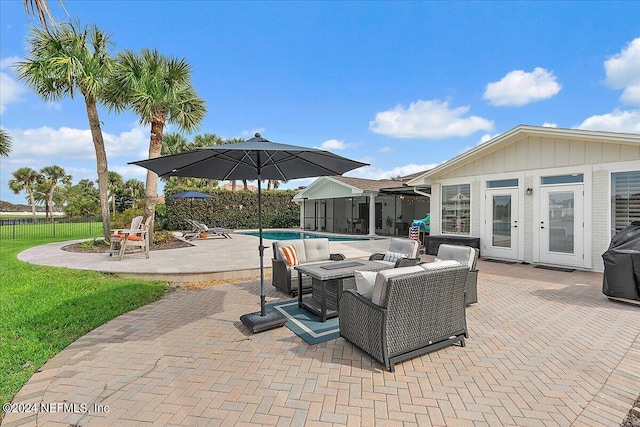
x=414, y=310
x=285, y=277
x=402, y=253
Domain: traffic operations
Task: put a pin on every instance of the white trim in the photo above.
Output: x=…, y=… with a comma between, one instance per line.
x=458, y=181
x=521, y=200
x=586, y=170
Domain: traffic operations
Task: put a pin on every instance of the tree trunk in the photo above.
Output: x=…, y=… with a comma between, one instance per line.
x=101, y=164
x=151, y=188
x=246, y=184
x=32, y=201
x=50, y=201
x=233, y=186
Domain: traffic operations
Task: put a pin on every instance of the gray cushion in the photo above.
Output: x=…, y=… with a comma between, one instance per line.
x=300, y=249
x=316, y=250
x=365, y=282
x=440, y=264
x=463, y=254
x=380, y=288
x=405, y=246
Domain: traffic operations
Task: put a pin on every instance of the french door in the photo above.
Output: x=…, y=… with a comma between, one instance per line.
x=561, y=225
x=502, y=228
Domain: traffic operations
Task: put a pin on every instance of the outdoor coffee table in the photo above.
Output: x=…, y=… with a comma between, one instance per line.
x=328, y=281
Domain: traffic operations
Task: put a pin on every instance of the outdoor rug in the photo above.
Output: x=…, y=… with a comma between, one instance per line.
x=307, y=325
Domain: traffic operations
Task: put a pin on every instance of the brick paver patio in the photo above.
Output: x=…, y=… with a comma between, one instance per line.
x=546, y=348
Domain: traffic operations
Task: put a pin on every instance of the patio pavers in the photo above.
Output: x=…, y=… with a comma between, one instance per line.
x=546, y=348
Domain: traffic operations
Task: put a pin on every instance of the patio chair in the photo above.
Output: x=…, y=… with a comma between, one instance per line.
x=465, y=255
x=401, y=253
x=199, y=228
x=136, y=238
x=414, y=310
x=118, y=235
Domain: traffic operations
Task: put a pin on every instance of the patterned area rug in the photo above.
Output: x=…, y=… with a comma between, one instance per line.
x=307, y=325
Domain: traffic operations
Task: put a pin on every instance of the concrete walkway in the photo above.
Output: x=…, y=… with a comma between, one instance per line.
x=546, y=348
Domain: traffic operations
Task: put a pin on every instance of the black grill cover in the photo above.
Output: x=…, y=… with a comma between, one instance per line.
x=622, y=264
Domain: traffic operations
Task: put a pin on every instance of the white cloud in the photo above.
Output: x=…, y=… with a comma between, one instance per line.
x=428, y=119
x=520, y=88
x=10, y=90
x=486, y=137
x=333, y=144
x=385, y=149
x=371, y=172
x=549, y=125
x=617, y=121
x=76, y=144
x=251, y=133
x=623, y=72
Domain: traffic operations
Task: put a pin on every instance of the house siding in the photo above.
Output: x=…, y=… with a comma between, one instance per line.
x=532, y=152
x=600, y=217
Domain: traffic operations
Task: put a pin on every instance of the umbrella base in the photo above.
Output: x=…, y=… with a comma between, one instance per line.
x=257, y=323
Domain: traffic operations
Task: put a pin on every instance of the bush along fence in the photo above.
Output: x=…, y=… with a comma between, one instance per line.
x=237, y=210
x=35, y=228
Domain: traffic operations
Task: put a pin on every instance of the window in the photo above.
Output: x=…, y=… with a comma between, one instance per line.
x=625, y=199
x=502, y=183
x=456, y=209
x=562, y=179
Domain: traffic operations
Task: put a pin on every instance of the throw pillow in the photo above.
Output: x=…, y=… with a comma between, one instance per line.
x=290, y=255
x=394, y=256
x=365, y=282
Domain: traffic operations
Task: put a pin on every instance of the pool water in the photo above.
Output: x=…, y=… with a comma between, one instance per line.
x=291, y=235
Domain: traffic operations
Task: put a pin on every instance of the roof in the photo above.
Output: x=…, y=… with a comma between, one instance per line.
x=368, y=185
x=514, y=135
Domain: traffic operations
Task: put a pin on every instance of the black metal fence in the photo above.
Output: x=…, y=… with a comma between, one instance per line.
x=63, y=227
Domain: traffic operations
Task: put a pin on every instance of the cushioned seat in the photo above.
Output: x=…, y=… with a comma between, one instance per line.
x=284, y=276
x=465, y=255
x=401, y=253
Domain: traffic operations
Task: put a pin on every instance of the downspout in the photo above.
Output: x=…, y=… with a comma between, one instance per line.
x=422, y=193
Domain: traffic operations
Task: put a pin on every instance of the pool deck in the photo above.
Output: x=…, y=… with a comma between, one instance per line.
x=546, y=348
x=214, y=258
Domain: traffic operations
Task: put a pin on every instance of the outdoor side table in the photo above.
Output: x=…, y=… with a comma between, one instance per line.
x=329, y=280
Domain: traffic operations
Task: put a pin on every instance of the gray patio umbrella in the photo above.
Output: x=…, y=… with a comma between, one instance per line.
x=256, y=158
x=190, y=195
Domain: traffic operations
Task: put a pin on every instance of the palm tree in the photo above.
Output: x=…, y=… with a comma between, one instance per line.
x=53, y=175
x=208, y=140
x=5, y=143
x=40, y=8
x=233, y=182
x=159, y=90
x=134, y=189
x=25, y=179
x=65, y=59
x=116, y=183
x=174, y=143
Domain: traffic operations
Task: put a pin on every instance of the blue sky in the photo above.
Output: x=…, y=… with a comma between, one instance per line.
x=403, y=86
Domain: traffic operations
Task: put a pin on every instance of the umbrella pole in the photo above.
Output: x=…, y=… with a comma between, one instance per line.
x=261, y=249
x=262, y=320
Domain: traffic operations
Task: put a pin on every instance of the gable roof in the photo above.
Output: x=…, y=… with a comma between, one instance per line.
x=514, y=135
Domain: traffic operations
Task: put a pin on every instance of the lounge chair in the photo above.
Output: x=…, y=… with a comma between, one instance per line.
x=199, y=228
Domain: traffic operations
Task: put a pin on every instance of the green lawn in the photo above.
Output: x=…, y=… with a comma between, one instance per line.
x=44, y=309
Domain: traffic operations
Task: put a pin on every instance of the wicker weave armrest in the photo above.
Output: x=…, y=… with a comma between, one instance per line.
x=407, y=262
x=376, y=257
x=337, y=257
x=361, y=322
x=281, y=275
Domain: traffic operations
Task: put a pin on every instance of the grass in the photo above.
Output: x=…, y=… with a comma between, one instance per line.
x=44, y=309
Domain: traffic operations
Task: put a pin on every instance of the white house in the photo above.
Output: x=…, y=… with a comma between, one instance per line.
x=537, y=194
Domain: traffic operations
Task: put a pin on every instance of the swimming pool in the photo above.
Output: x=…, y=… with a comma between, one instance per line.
x=291, y=235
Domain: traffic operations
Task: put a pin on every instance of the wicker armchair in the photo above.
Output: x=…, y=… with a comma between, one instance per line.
x=419, y=312
x=399, y=245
